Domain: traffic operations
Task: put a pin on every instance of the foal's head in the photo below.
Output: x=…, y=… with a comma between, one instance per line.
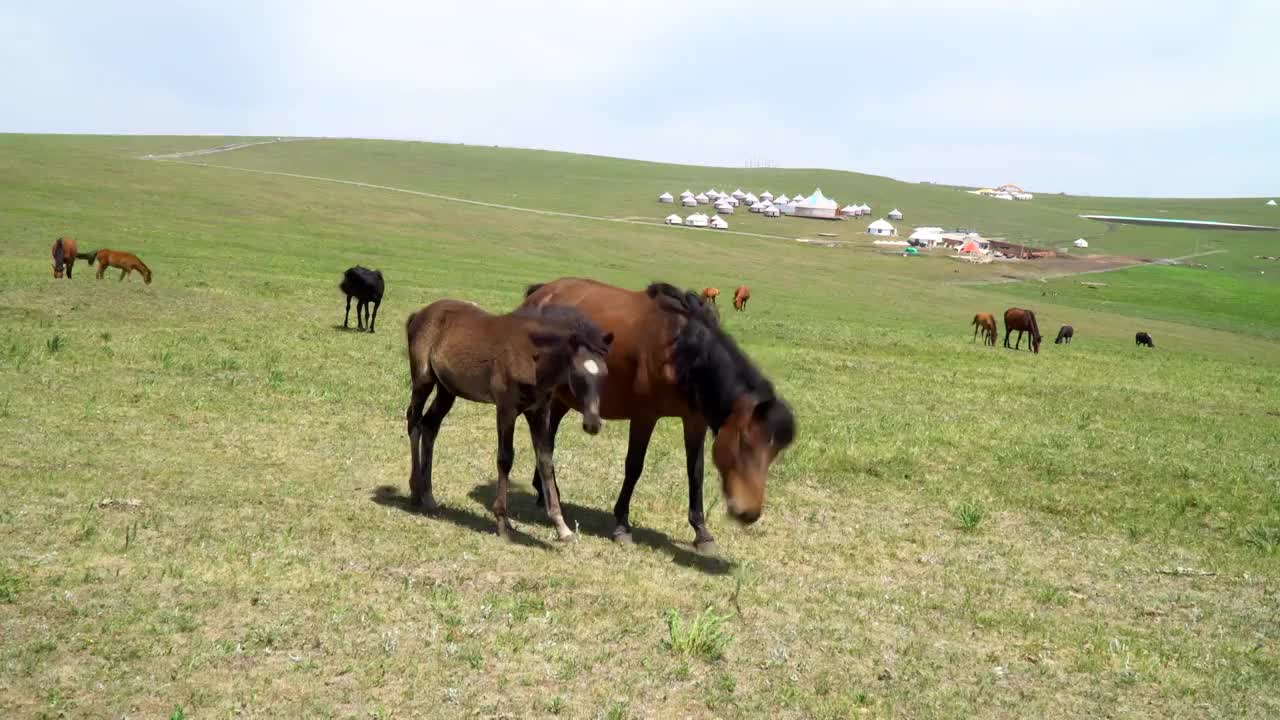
x=573, y=354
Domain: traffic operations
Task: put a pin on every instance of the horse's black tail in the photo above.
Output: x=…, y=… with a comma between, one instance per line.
x=90, y=256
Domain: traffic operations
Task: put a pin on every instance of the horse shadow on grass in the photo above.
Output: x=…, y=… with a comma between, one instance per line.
x=351, y=329
x=389, y=496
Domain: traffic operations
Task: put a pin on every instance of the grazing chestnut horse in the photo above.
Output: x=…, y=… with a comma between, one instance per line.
x=127, y=262
x=1022, y=321
x=986, y=322
x=740, y=297
x=516, y=362
x=671, y=358
x=710, y=294
x=65, y=252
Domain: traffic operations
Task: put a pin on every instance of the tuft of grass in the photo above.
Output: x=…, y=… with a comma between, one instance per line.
x=10, y=585
x=276, y=379
x=704, y=636
x=1264, y=537
x=617, y=710
x=178, y=714
x=970, y=515
x=55, y=344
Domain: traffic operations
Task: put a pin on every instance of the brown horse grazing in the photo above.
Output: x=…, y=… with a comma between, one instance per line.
x=986, y=322
x=65, y=251
x=127, y=262
x=740, y=297
x=671, y=358
x=516, y=362
x=1022, y=321
x=710, y=294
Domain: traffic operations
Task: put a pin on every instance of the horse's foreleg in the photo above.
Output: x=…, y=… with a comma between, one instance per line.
x=359, y=314
x=637, y=445
x=413, y=423
x=346, y=320
x=555, y=413
x=538, y=426
x=506, y=458
x=123, y=272
x=695, y=438
x=374, y=319
x=428, y=429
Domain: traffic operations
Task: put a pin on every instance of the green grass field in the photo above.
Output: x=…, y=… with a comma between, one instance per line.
x=205, y=478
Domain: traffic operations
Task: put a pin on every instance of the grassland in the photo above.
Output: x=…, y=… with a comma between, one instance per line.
x=204, y=478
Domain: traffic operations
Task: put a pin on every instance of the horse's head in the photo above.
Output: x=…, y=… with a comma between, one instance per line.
x=57, y=271
x=745, y=446
x=587, y=373
x=146, y=275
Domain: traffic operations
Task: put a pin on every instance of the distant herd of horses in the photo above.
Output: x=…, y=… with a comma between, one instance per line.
x=66, y=251
x=1024, y=321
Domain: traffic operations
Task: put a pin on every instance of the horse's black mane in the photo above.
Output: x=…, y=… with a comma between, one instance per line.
x=569, y=322
x=712, y=370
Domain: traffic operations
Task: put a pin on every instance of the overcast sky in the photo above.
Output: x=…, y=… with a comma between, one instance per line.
x=1128, y=98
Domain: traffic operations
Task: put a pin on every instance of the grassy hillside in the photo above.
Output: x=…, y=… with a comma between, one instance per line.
x=205, y=478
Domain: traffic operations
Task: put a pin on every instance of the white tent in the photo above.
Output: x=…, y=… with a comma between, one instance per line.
x=737, y=194
x=895, y=214
x=718, y=223
x=756, y=207
x=766, y=195
x=1023, y=196
x=674, y=220
x=689, y=202
x=696, y=220
x=866, y=209
x=850, y=211
x=881, y=227
x=750, y=199
x=1271, y=202
x=686, y=193
x=927, y=236
x=713, y=193
x=731, y=200
x=780, y=200
x=772, y=211
x=787, y=208
x=702, y=199
x=1081, y=242
x=724, y=207
x=666, y=198
x=817, y=205
x=1002, y=196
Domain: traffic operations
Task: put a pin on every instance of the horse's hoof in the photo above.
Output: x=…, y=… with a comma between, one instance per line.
x=566, y=535
x=504, y=530
x=707, y=548
x=430, y=506
x=623, y=537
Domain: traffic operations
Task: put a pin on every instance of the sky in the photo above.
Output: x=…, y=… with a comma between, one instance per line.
x=1080, y=96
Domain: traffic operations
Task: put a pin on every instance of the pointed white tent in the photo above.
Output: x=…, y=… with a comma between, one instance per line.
x=766, y=195
x=1271, y=202
x=718, y=223
x=787, y=208
x=780, y=200
x=686, y=193
x=737, y=194
x=674, y=220
x=732, y=200
x=866, y=209
x=895, y=214
x=702, y=198
x=724, y=207
x=713, y=193
x=689, y=202
x=696, y=220
x=666, y=198
x=750, y=199
x=756, y=207
x=881, y=227
x=1081, y=243
x=772, y=211
x=817, y=205
x=927, y=236
x=850, y=211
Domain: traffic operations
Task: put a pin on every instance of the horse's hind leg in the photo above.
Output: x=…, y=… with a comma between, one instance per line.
x=543, y=449
x=555, y=413
x=374, y=319
x=359, y=314
x=427, y=430
x=123, y=272
x=346, y=320
x=506, y=458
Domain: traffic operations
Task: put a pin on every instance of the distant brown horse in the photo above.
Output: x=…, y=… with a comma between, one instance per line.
x=127, y=262
x=710, y=294
x=985, y=322
x=516, y=362
x=1022, y=321
x=740, y=297
x=65, y=251
x=671, y=358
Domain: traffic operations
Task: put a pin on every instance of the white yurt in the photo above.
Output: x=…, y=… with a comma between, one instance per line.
x=756, y=207
x=895, y=214
x=702, y=198
x=666, y=198
x=732, y=200
x=749, y=199
x=866, y=209
x=1023, y=196
x=674, y=219
x=882, y=228
x=927, y=236
x=713, y=193
x=737, y=194
x=1271, y=203
x=689, y=201
x=1081, y=243
x=686, y=193
x=1002, y=196
x=696, y=220
x=771, y=211
x=850, y=211
x=816, y=205
x=766, y=195
x=787, y=208
x=718, y=223
x=780, y=200
x=724, y=207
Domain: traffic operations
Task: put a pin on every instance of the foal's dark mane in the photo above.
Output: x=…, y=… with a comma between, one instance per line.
x=564, y=323
x=712, y=370
x=1035, y=327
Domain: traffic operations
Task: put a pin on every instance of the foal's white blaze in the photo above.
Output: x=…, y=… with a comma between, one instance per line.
x=591, y=367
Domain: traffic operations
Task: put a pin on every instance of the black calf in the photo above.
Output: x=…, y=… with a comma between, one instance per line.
x=366, y=287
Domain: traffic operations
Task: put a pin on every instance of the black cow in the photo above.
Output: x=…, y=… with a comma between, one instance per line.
x=1143, y=339
x=366, y=286
x=1065, y=333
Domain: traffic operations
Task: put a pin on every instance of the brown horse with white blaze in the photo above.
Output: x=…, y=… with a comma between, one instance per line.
x=515, y=362
x=1022, y=320
x=671, y=358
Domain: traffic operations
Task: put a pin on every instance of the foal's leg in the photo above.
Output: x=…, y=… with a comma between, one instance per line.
x=538, y=426
x=428, y=428
x=346, y=320
x=555, y=413
x=376, y=305
x=695, y=438
x=359, y=314
x=637, y=445
x=506, y=457
x=123, y=272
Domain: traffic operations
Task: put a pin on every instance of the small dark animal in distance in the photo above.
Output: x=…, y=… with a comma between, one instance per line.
x=1143, y=339
x=1065, y=333
x=366, y=287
